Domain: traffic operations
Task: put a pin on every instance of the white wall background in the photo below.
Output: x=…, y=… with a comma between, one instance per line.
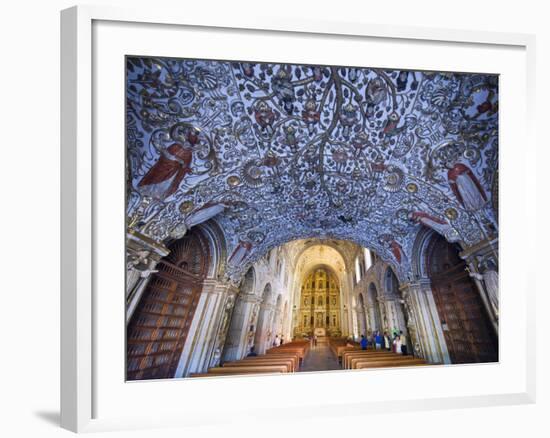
x=29, y=187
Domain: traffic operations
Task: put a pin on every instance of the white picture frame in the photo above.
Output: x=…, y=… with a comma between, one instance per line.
x=81, y=199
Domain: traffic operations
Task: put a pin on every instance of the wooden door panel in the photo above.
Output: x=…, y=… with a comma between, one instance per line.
x=467, y=330
x=158, y=329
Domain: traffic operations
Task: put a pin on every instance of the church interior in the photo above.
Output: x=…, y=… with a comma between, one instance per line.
x=290, y=218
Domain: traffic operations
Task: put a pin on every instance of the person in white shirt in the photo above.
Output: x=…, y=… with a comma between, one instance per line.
x=397, y=344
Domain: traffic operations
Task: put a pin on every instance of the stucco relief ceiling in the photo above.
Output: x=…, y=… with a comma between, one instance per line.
x=277, y=152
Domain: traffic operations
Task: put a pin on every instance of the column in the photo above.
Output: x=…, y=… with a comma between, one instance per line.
x=244, y=316
x=424, y=325
x=263, y=330
x=394, y=315
x=202, y=348
x=482, y=261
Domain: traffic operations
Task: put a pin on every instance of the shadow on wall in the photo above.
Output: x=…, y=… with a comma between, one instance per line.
x=50, y=417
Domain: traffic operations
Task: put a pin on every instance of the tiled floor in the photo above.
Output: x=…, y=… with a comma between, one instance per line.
x=320, y=358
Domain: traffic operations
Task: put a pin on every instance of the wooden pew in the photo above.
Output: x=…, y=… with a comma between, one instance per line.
x=335, y=343
x=235, y=372
x=348, y=355
x=294, y=358
x=343, y=349
x=288, y=363
x=244, y=369
x=391, y=363
x=352, y=364
x=296, y=347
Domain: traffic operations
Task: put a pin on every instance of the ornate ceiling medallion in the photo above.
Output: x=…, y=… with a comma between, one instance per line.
x=393, y=179
x=186, y=206
x=252, y=174
x=451, y=213
x=233, y=181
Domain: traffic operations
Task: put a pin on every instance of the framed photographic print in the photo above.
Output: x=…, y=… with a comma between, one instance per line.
x=257, y=208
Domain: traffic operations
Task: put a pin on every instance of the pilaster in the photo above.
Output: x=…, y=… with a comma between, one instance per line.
x=424, y=325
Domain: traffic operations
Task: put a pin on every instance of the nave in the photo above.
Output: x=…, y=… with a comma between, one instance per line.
x=309, y=356
x=269, y=204
x=306, y=306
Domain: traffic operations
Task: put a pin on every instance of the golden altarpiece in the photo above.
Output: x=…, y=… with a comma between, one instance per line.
x=319, y=305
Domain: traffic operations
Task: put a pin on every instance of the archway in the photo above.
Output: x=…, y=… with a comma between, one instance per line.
x=235, y=344
x=319, y=302
x=157, y=332
x=262, y=327
x=395, y=312
x=466, y=326
x=373, y=307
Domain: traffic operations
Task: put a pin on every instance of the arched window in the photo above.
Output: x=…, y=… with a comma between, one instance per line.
x=357, y=270
x=368, y=258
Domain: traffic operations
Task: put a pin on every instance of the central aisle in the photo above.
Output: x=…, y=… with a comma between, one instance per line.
x=320, y=358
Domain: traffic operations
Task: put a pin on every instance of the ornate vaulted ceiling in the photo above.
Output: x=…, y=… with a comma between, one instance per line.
x=282, y=152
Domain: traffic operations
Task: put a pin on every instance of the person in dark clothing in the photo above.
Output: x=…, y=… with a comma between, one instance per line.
x=252, y=352
x=363, y=342
x=387, y=341
x=403, y=340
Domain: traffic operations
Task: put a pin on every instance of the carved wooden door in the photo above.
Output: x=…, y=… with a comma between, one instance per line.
x=468, y=333
x=158, y=329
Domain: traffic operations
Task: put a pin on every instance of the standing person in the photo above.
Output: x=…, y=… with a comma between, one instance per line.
x=363, y=342
x=277, y=341
x=403, y=340
x=378, y=340
x=387, y=343
x=282, y=340
x=315, y=340
x=397, y=343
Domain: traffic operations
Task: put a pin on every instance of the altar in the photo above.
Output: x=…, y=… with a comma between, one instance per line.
x=319, y=331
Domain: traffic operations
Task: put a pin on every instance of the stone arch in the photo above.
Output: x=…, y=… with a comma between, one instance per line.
x=424, y=238
x=218, y=248
x=464, y=319
x=166, y=309
x=391, y=283
x=396, y=318
x=248, y=282
x=319, y=301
